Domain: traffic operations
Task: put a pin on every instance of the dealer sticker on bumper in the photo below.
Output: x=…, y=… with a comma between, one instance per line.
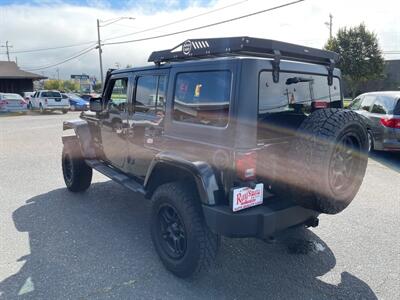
x=247, y=197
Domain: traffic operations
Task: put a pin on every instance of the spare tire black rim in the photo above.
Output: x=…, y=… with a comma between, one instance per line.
x=345, y=163
x=172, y=231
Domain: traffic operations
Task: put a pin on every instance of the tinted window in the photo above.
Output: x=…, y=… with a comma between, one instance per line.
x=203, y=98
x=51, y=94
x=367, y=102
x=295, y=89
x=149, y=98
x=383, y=105
x=119, y=94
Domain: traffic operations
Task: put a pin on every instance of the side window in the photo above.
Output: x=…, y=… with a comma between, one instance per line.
x=396, y=110
x=355, y=104
x=202, y=98
x=150, y=94
x=367, y=102
x=118, y=95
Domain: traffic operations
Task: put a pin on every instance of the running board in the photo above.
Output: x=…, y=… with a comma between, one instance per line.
x=116, y=175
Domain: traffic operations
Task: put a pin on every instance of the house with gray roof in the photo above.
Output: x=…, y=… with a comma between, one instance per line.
x=15, y=80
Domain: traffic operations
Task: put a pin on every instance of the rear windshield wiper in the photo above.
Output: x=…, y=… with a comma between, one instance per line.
x=294, y=80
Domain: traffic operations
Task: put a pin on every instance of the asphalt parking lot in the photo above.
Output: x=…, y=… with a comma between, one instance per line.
x=96, y=245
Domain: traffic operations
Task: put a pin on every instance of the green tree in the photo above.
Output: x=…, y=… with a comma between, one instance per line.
x=70, y=86
x=360, y=56
x=53, y=84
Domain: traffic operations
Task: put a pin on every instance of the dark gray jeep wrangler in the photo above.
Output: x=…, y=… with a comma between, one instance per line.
x=240, y=137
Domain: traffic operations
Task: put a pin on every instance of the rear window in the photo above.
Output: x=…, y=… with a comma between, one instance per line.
x=51, y=94
x=383, y=105
x=12, y=97
x=203, y=98
x=295, y=89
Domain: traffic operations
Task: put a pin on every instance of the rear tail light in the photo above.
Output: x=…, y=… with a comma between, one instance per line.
x=319, y=104
x=22, y=102
x=390, y=122
x=246, y=165
x=3, y=102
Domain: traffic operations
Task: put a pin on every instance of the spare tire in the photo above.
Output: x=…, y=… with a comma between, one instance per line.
x=327, y=160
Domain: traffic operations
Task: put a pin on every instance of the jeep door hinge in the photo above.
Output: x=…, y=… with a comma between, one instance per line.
x=276, y=66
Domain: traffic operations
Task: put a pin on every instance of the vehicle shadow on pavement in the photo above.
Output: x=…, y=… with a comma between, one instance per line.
x=97, y=245
x=389, y=159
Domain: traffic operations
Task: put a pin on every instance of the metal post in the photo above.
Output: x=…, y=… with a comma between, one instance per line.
x=8, y=53
x=7, y=46
x=99, y=46
x=330, y=25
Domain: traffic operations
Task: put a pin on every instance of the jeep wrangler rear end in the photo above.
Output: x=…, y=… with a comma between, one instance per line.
x=239, y=137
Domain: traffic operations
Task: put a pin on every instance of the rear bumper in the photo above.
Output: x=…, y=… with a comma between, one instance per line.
x=13, y=109
x=61, y=107
x=261, y=221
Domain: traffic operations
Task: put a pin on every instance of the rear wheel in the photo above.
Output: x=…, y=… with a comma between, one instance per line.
x=328, y=160
x=181, y=238
x=77, y=174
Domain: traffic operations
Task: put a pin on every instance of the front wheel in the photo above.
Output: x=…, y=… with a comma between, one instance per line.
x=41, y=109
x=77, y=174
x=181, y=238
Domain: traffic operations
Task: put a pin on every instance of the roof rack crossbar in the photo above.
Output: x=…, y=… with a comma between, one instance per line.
x=213, y=47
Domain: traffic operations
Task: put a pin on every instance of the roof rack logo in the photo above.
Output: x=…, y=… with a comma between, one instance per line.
x=187, y=47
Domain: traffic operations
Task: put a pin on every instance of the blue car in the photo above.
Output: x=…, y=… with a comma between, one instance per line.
x=76, y=102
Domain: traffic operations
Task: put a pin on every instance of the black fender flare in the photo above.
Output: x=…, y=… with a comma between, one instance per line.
x=83, y=135
x=200, y=171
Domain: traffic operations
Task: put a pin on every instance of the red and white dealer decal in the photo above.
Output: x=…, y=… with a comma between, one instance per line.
x=247, y=197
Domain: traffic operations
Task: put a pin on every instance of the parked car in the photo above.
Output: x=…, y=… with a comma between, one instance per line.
x=224, y=141
x=45, y=100
x=12, y=103
x=76, y=102
x=27, y=96
x=381, y=113
x=87, y=97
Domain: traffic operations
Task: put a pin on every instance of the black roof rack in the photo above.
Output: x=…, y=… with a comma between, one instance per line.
x=217, y=47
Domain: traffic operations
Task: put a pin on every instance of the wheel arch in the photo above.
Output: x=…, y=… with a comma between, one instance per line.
x=82, y=134
x=168, y=167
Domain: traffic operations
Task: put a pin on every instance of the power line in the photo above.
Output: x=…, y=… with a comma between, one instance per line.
x=51, y=48
x=206, y=26
x=128, y=34
x=80, y=53
x=177, y=21
x=83, y=52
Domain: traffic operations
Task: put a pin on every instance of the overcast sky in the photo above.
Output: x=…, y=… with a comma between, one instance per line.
x=38, y=24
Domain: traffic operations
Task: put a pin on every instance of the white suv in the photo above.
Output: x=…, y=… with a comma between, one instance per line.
x=46, y=100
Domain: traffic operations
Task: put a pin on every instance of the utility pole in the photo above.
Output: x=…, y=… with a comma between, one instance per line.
x=330, y=25
x=7, y=46
x=99, y=46
x=105, y=23
x=58, y=74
